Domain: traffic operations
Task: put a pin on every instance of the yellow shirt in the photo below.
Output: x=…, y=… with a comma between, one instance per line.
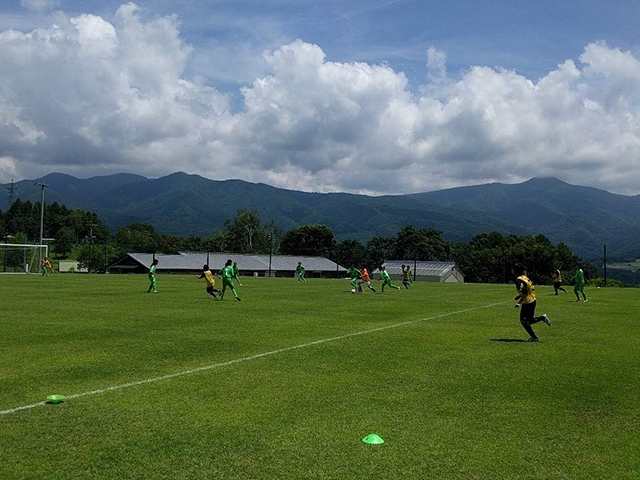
x=558, y=277
x=526, y=289
x=209, y=277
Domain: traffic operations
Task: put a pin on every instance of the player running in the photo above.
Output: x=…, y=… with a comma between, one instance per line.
x=557, y=282
x=366, y=279
x=579, y=286
x=300, y=273
x=386, y=279
x=354, y=275
x=526, y=301
x=409, y=275
x=46, y=266
x=236, y=273
x=405, y=277
x=211, y=282
x=227, y=279
x=152, y=277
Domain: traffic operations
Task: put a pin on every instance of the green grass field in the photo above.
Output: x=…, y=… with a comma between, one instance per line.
x=294, y=376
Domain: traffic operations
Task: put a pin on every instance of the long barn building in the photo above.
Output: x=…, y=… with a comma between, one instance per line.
x=249, y=265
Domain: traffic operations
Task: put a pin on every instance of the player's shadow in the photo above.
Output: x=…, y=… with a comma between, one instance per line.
x=516, y=340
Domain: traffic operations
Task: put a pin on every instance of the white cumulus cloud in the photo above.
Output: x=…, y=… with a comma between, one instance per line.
x=89, y=96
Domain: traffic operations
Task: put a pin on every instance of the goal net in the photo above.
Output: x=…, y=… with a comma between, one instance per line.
x=21, y=258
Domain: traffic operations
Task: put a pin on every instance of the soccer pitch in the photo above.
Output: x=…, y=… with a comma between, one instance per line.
x=286, y=383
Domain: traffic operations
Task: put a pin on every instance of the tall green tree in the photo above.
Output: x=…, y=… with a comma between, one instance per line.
x=310, y=240
x=64, y=241
x=380, y=249
x=423, y=244
x=137, y=237
x=350, y=253
x=218, y=242
x=246, y=233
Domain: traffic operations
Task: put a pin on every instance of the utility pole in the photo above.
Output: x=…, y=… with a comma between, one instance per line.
x=42, y=187
x=90, y=239
x=12, y=193
x=270, y=249
x=605, y=265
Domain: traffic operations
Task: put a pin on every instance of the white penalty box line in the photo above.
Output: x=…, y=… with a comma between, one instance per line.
x=246, y=359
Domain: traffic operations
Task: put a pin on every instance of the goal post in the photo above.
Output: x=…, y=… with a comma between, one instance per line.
x=21, y=257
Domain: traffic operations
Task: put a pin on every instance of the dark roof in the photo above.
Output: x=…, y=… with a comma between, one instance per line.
x=194, y=261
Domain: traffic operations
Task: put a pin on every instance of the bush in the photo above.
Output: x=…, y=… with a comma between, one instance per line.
x=611, y=282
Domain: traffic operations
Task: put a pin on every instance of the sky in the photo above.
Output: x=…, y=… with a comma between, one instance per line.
x=363, y=96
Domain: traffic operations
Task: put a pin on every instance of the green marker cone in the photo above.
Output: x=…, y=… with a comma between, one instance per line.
x=55, y=398
x=373, y=439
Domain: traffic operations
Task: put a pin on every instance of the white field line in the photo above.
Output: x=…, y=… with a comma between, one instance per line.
x=245, y=359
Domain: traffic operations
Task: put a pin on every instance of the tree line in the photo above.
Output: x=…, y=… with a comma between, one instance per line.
x=486, y=258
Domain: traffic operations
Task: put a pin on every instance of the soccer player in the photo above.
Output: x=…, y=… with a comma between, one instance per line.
x=405, y=277
x=236, y=273
x=211, y=282
x=366, y=279
x=46, y=265
x=579, y=286
x=354, y=274
x=227, y=279
x=152, y=277
x=300, y=273
x=386, y=279
x=557, y=282
x=409, y=275
x=526, y=301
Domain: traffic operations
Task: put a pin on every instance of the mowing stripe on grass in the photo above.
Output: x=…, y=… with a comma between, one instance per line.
x=246, y=359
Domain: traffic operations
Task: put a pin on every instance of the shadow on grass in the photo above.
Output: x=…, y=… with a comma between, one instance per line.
x=516, y=340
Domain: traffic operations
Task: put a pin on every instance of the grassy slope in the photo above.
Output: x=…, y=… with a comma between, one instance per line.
x=448, y=398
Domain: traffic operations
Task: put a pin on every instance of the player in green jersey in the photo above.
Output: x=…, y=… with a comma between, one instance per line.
x=354, y=275
x=300, y=273
x=236, y=273
x=211, y=282
x=386, y=279
x=227, y=279
x=152, y=277
x=579, y=286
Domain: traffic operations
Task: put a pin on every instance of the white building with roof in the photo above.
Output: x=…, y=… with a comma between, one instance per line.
x=248, y=265
x=445, y=272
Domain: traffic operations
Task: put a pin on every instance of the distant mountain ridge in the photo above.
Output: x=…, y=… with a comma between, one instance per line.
x=584, y=218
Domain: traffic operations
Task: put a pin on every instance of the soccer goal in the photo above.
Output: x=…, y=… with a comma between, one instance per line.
x=21, y=258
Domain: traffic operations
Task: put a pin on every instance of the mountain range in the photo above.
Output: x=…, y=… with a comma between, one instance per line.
x=584, y=218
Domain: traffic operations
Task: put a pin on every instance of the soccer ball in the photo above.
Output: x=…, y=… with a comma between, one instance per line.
x=353, y=290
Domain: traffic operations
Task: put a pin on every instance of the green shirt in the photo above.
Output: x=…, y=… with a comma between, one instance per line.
x=354, y=272
x=152, y=271
x=236, y=270
x=384, y=275
x=580, y=276
x=227, y=272
x=300, y=269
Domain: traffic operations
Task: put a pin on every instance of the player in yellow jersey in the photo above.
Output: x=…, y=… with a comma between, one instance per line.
x=557, y=282
x=406, y=281
x=211, y=282
x=526, y=301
